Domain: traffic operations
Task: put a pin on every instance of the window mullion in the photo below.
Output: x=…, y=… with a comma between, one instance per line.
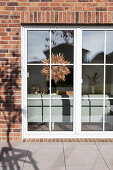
x=78, y=76
x=104, y=82
x=50, y=83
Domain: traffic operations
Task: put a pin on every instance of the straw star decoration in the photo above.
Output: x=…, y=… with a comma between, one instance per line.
x=58, y=72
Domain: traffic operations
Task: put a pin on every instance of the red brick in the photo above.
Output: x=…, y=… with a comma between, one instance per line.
x=9, y=8
x=21, y=8
x=97, y=17
x=48, y=17
x=34, y=0
x=73, y=17
x=12, y=4
x=101, y=17
x=22, y=17
x=46, y=0
x=58, y=8
x=64, y=17
x=31, y=17
x=105, y=17
x=56, y=17
x=101, y=9
x=46, y=8
x=3, y=51
x=81, y=17
x=43, y=17
x=35, y=16
x=2, y=3
x=4, y=16
x=89, y=17
x=60, y=17
x=39, y=17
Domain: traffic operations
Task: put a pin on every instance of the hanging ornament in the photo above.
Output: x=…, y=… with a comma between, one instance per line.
x=58, y=72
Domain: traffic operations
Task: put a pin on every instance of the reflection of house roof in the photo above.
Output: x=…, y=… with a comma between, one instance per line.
x=85, y=50
x=109, y=57
x=66, y=49
x=97, y=57
x=89, y=57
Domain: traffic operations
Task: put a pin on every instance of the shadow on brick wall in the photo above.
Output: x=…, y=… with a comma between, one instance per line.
x=10, y=96
x=10, y=116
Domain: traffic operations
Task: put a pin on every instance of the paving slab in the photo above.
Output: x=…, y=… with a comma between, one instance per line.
x=46, y=156
x=83, y=156
x=106, y=149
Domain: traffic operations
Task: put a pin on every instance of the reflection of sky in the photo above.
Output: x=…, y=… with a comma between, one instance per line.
x=36, y=45
x=37, y=42
x=109, y=42
x=94, y=42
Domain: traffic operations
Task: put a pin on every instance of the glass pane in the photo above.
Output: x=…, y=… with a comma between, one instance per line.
x=93, y=47
x=92, y=81
x=109, y=115
x=109, y=46
x=37, y=81
x=38, y=114
x=37, y=43
x=62, y=47
x=62, y=81
x=109, y=81
x=92, y=115
x=62, y=115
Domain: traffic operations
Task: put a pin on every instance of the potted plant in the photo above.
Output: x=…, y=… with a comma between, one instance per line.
x=92, y=80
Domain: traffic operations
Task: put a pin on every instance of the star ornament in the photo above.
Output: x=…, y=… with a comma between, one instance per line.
x=58, y=72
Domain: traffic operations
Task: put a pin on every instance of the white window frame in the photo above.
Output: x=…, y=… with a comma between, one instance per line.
x=76, y=133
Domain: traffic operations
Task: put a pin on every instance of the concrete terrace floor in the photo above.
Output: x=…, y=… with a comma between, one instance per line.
x=56, y=156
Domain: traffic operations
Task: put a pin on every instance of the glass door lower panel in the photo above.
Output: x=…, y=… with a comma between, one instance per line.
x=62, y=115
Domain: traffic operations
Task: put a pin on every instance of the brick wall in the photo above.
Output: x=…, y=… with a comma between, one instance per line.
x=12, y=14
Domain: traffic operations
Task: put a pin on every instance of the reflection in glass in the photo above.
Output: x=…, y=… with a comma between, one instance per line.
x=93, y=47
x=109, y=81
x=109, y=46
x=37, y=84
x=37, y=43
x=92, y=80
x=62, y=42
x=92, y=115
x=109, y=115
x=38, y=115
x=62, y=81
x=62, y=115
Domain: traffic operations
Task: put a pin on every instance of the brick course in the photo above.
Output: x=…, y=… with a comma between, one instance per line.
x=13, y=13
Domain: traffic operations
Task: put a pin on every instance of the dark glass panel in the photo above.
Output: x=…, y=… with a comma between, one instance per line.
x=92, y=80
x=37, y=84
x=109, y=81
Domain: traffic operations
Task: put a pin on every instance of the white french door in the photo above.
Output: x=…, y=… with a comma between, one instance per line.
x=49, y=81
x=65, y=92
